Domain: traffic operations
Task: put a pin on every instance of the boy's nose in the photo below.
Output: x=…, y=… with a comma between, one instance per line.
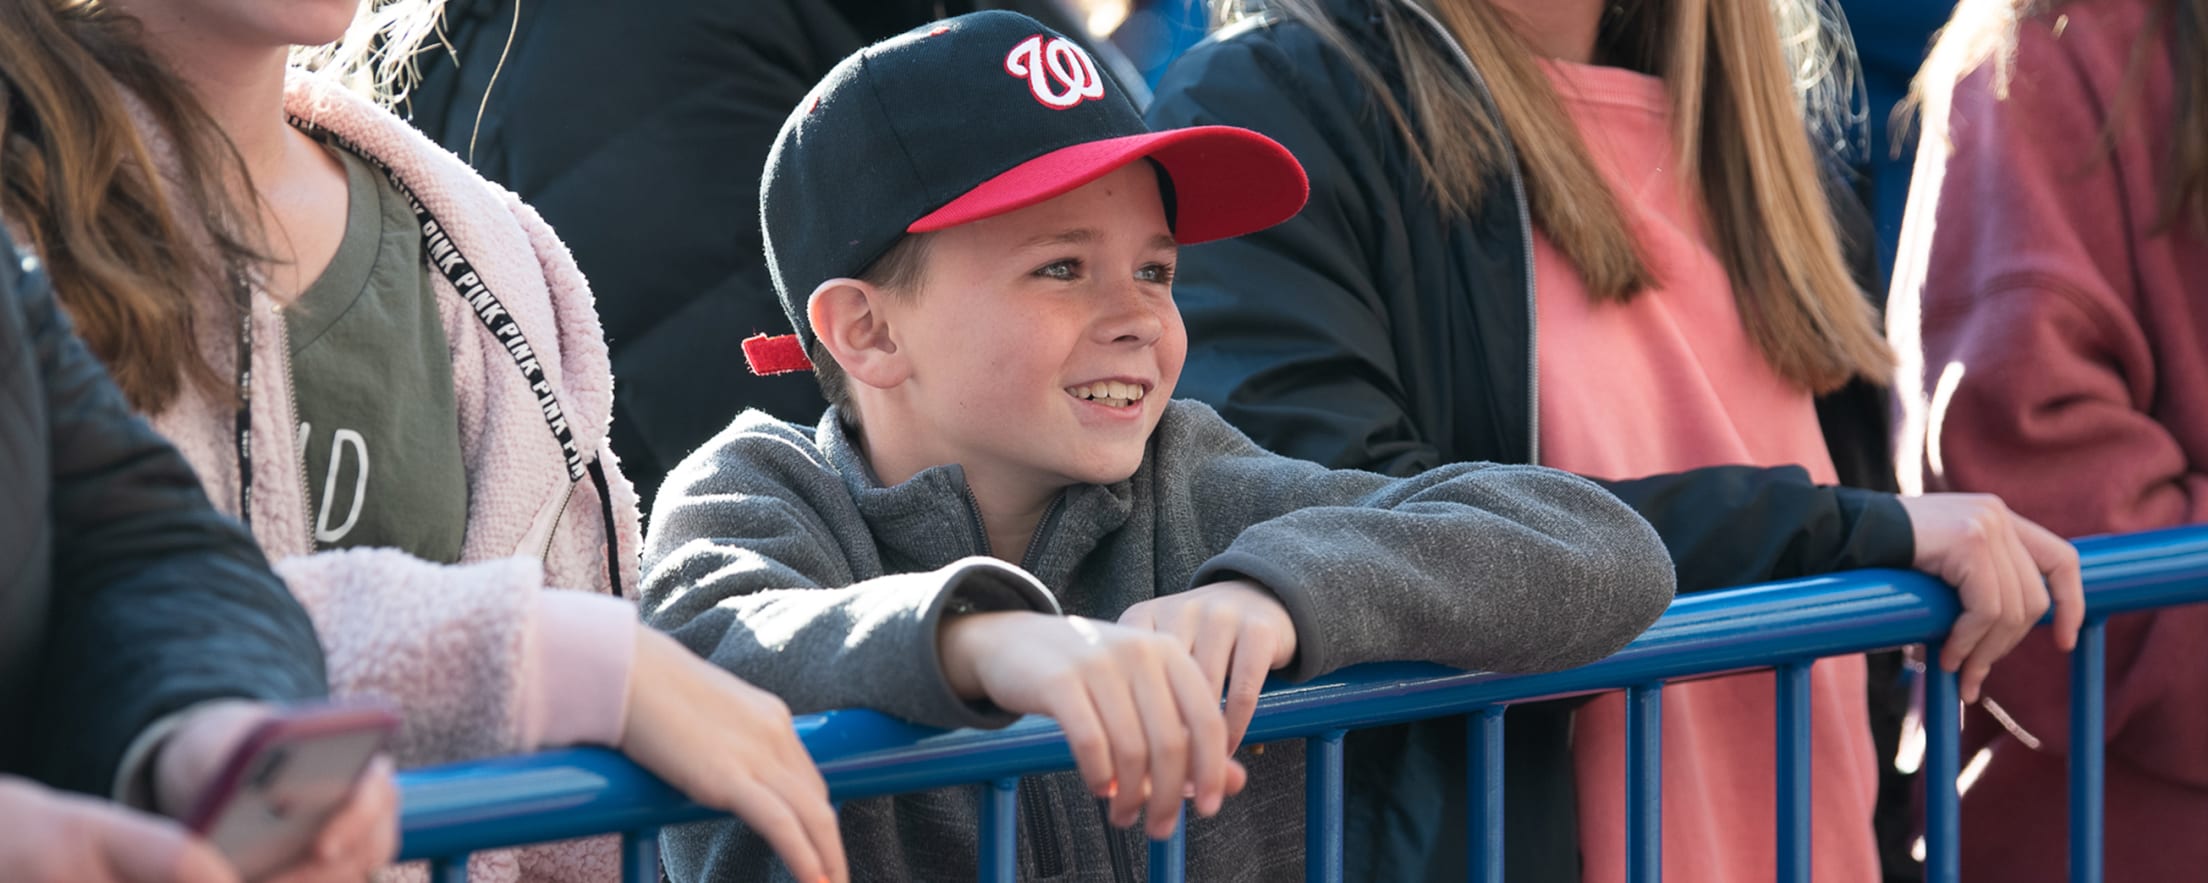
x=1132, y=316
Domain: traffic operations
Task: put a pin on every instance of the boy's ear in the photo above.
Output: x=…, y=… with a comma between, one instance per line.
x=848, y=317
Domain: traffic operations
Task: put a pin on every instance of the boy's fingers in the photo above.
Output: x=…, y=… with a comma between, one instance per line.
x=1207, y=748
x=1125, y=743
x=1092, y=749
x=765, y=812
x=1169, y=745
x=1244, y=684
x=1214, y=652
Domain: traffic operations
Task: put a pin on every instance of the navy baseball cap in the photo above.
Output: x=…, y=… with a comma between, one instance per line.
x=969, y=118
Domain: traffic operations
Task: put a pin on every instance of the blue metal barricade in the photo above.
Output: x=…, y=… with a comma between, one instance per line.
x=453, y=810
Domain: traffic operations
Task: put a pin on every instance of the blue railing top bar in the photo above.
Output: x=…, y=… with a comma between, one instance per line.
x=570, y=793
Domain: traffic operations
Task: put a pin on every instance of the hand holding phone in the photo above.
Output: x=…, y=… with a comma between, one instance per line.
x=279, y=780
x=57, y=837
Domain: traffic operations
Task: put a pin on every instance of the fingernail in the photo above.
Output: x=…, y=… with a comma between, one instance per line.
x=1111, y=789
x=1188, y=791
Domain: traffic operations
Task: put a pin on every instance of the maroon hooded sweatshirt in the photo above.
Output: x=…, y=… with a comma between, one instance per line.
x=2060, y=346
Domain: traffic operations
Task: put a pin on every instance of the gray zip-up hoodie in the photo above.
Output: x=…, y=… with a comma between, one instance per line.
x=776, y=553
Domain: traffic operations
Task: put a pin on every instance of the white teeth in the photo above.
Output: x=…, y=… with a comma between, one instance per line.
x=1109, y=392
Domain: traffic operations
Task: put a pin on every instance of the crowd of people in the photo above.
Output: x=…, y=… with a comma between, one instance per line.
x=1458, y=331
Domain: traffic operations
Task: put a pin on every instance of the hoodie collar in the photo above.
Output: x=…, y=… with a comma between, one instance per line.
x=931, y=519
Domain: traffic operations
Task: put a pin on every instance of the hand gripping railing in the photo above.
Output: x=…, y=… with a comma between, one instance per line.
x=452, y=810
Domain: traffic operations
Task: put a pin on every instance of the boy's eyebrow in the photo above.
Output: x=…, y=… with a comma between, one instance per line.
x=1084, y=235
x=1061, y=237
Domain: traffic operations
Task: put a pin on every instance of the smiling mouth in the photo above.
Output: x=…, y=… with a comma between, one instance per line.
x=1109, y=393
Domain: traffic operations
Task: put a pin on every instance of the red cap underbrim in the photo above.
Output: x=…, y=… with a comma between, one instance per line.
x=1227, y=181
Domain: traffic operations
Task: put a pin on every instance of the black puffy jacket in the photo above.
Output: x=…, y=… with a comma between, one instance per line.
x=124, y=595
x=1376, y=331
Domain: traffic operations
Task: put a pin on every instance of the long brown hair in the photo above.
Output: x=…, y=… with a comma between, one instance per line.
x=1742, y=138
x=1984, y=32
x=125, y=239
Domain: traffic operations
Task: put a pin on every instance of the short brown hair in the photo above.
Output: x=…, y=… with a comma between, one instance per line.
x=898, y=271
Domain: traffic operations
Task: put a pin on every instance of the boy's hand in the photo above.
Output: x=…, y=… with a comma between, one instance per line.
x=2004, y=568
x=1235, y=630
x=1144, y=730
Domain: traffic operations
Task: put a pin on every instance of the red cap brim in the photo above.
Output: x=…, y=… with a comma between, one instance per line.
x=1227, y=181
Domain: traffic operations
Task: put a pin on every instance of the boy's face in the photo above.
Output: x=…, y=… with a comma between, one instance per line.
x=1044, y=343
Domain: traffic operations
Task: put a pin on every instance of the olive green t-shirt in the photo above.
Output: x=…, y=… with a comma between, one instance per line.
x=373, y=382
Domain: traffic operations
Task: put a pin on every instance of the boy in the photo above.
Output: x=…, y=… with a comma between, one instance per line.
x=974, y=234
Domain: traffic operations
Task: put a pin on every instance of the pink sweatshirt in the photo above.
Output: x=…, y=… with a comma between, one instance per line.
x=484, y=657
x=2062, y=357
x=1666, y=383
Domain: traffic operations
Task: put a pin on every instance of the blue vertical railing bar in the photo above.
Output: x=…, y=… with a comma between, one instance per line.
x=2088, y=717
x=453, y=869
x=1322, y=808
x=1942, y=810
x=1485, y=818
x=1793, y=772
x=1000, y=818
x=640, y=856
x=1169, y=857
x=1644, y=783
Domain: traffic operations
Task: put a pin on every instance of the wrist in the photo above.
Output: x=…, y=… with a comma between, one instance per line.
x=194, y=752
x=960, y=644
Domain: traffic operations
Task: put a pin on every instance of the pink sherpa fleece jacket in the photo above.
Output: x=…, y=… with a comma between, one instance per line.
x=519, y=646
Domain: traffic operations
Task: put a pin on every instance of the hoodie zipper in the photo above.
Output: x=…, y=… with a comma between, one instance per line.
x=1121, y=861
x=1525, y=228
x=1043, y=530
x=291, y=404
x=1042, y=827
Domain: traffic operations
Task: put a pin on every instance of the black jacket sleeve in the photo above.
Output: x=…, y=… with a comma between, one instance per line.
x=1728, y=526
x=157, y=601
x=1290, y=331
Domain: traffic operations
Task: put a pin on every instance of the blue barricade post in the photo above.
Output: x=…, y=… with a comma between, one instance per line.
x=451, y=811
x=1793, y=772
x=1486, y=815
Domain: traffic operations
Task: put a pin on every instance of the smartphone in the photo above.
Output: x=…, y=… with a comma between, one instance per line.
x=292, y=772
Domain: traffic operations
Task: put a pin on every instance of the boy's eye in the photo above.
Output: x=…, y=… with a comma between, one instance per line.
x=1161, y=274
x=1065, y=271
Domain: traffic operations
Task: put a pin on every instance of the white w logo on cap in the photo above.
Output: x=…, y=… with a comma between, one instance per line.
x=1066, y=65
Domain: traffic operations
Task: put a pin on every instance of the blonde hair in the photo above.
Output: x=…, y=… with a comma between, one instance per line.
x=1983, y=32
x=376, y=56
x=1740, y=73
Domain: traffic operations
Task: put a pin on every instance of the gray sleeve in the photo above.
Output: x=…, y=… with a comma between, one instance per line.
x=1475, y=566
x=743, y=568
